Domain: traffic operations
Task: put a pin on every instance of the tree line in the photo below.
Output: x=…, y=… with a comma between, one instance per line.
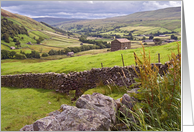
x=101, y=44
x=5, y=54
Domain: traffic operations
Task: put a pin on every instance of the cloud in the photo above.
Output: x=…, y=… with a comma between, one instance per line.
x=83, y=9
x=153, y=5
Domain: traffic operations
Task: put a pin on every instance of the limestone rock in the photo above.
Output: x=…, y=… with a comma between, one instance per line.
x=74, y=119
x=54, y=113
x=49, y=123
x=127, y=104
x=27, y=128
x=99, y=103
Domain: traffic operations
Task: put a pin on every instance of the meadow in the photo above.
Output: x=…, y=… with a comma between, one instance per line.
x=20, y=107
x=86, y=62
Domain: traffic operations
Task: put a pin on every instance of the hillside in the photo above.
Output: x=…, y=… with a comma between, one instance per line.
x=28, y=35
x=27, y=22
x=169, y=18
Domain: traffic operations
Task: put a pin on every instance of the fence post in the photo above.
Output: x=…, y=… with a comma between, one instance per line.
x=158, y=57
x=122, y=59
x=135, y=58
x=101, y=65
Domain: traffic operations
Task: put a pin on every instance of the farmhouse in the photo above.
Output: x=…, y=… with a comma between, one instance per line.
x=120, y=44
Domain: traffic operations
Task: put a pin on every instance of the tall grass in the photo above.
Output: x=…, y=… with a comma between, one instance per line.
x=159, y=108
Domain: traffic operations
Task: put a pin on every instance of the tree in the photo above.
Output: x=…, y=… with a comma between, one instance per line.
x=52, y=52
x=45, y=55
x=20, y=56
x=35, y=54
x=12, y=53
x=4, y=54
x=144, y=38
x=15, y=40
x=38, y=41
x=67, y=50
x=18, y=44
x=151, y=37
x=157, y=41
x=6, y=37
x=173, y=37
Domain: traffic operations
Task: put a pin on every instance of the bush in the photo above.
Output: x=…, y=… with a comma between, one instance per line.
x=20, y=56
x=45, y=54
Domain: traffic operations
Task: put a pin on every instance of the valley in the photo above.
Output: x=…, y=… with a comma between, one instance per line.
x=70, y=45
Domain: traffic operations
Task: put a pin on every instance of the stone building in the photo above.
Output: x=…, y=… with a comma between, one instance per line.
x=120, y=44
x=70, y=53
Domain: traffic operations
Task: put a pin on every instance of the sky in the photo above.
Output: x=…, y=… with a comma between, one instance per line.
x=83, y=9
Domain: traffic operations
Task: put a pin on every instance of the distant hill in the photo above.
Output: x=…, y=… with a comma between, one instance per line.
x=53, y=21
x=169, y=18
x=161, y=14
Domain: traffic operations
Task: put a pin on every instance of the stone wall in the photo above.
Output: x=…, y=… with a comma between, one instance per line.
x=75, y=80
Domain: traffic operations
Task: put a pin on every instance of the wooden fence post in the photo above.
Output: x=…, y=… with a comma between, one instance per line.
x=101, y=65
x=158, y=57
x=122, y=59
x=135, y=58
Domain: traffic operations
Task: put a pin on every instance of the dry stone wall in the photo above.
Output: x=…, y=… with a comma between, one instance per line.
x=75, y=80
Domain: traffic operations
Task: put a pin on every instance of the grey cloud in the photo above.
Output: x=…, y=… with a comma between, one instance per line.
x=85, y=9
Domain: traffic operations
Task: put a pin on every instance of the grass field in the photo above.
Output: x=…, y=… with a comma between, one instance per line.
x=20, y=107
x=80, y=63
x=23, y=106
x=144, y=29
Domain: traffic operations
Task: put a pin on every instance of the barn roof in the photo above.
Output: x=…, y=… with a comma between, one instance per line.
x=123, y=40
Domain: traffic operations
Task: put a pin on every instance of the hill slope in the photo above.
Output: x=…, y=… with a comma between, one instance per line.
x=27, y=22
x=169, y=18
x=19, y=28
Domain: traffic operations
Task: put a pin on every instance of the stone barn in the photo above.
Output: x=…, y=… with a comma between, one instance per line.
x=120, y=44
x=70, y=53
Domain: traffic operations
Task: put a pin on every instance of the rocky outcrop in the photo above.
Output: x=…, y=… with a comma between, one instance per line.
x=99, y=103
x=95, y=112
x=71, y=119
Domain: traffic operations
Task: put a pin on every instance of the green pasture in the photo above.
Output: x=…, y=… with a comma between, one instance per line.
x=81, y=63
x=62, y=43
x=3, y=47
x=23, y=106
x=144, y=29
x=39, y=33
x=44, y=48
